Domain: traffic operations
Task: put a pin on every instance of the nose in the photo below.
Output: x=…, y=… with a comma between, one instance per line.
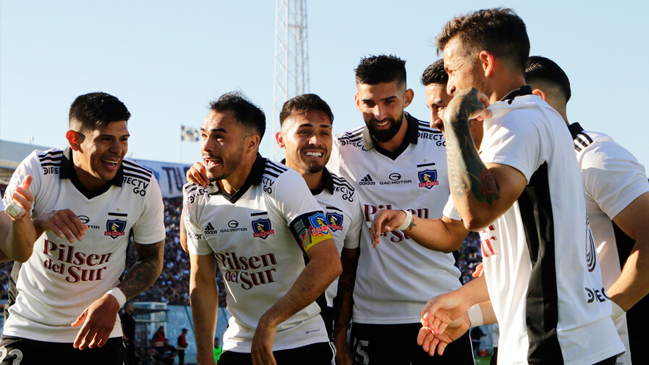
x=378, y=112
x=450, y=88
x=116, y=147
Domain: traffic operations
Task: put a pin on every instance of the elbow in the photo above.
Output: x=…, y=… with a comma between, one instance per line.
x=22, y=255
x=476, y=224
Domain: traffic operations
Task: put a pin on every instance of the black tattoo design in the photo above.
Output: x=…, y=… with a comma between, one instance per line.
x=145, y=271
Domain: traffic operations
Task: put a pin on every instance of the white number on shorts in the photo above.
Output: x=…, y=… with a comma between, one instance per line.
x=15, y=352
x=361, y=357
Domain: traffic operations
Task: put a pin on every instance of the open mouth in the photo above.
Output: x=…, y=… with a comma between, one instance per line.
x=110, y=164
x=211, y=162
x=314, y=154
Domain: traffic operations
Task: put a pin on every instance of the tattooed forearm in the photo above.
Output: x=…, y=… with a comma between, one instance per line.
x=145, y=271
x=344, y=303
x=467, y=172
x=411, y=225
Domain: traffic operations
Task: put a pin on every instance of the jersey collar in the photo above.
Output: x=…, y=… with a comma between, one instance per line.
x=327, y=181
x=254, y=178
x=523, y=90
x=67, y=172
x=411, y=136
x=575, y=129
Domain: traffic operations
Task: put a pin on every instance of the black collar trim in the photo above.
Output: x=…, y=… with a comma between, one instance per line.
x=523, y=90
x=575, y=129
x=327, y=181
x=254, y=178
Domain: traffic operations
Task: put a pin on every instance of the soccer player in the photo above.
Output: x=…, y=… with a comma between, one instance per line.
x=617, y=202
x=306, y=138
x=87, y=199
x=395, y=162
x=17, y=233
x=256, y=220
x=540, y=264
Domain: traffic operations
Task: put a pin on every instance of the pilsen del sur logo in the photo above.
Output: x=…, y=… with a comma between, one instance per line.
x=115, y=228
x=262, y=228
x=335, y=221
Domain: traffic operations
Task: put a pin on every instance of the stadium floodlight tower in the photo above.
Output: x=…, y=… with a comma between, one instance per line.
x=291, y=55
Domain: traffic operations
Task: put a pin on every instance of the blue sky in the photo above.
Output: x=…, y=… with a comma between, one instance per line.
x=167, y=59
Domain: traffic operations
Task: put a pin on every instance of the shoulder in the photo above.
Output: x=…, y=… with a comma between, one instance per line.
x=353, y=138
x=191, y=193
x=136, y=171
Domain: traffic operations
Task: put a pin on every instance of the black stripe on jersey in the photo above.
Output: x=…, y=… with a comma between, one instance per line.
x=52, y=156
x=136, y=171
x=337, y=180
x=117, y=214
x=333, y=208
x=542, y=307
x=426, y=164
x=190, y=188
x=637, y=318
x=274, y=169
x=58, y=163
x=353, y=136
x=426, y=128
x=256, y=214
x=581, y=141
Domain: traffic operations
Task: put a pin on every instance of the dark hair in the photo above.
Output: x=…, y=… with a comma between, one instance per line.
x=247, y=113
x=377, y=69
x=499, y=31
x=302, y=104
x=435, y=74
x=545, y=70
x=96, y=109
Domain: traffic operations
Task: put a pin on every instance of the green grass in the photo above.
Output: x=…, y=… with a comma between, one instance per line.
x=483, y=360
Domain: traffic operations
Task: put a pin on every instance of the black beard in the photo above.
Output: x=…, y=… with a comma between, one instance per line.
x=387, y=134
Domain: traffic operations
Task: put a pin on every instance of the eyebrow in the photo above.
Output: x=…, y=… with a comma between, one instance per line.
x=110, y=135
x=384, y=99
x=437, y=102
x=214, y=130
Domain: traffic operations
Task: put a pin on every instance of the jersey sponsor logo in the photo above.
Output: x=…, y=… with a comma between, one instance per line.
x=48, y=170
x=262, y=228
x=427, y=178
x=367, y=180
x=139, y=186
x=395, y=236
x=86, y=220
x=233, y=227
x=75, y=265
x=437, y=137
x=591, y=251
x=209, y=229
x=598, y=295
x=346, y=193
x=335, y=221
x=115, y=228
x=247, y=271
x=395, y=178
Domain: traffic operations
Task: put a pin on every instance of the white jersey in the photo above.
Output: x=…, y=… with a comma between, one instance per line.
x=613, y=178
x=61, y=279
x=539, y=257
x=258, y=237
x=393, y=280
x=342, y=209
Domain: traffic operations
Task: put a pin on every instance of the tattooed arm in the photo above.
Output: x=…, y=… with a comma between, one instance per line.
x=344, y=303
x=481, y=193
x=99, y=318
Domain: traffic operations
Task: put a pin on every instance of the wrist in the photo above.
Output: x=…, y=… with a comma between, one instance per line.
x=475, y=315
x=407, y=221
x=118, y=295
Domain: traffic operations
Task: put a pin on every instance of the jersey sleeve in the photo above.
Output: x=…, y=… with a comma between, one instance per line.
x=29, y=166
x=353, y=236
x=450, y=211
x=150, y=227
x=196, y=242
x=612, y=176
x=302, y=212
x=513, y=139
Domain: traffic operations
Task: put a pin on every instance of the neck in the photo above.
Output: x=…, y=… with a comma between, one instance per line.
x=235, y=180
x=510, y=81
x=396, y=141
x=313, y=180
x=86, y=179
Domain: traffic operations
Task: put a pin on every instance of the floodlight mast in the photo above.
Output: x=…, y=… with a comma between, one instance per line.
x=291, y=71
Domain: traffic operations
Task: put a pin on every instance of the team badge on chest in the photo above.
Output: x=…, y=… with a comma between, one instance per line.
x=428, y=178
x=335, y=221
x=262, y=228
x=115, y=228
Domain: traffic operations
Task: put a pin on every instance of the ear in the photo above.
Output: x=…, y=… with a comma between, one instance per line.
x=487, y=62
x=279, y=138
x=253, y=142
x=540, y=93
x=407, y=98
x=74, y=139
x=358, y=102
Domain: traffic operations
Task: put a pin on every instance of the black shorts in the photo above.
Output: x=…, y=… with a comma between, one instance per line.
x=22, y=351
x=396, y=344
x=321, y=353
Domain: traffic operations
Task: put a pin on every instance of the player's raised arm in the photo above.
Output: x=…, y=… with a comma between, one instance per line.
x=17, y=233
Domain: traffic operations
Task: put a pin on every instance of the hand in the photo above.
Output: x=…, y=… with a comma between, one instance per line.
x=262, y=344
x=440, y=311
x=197, y=174
x=430, y=340
x=479, y=271
x=98, y=322
x=62, y=223
x=23, y=197
x=385, y=221
x=467, y=104
x=344, y=354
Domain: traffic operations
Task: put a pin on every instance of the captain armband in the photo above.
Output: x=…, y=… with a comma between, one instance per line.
x=310, y=229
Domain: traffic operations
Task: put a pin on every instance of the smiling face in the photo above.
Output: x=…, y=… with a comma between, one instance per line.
x=98, y=153
x=463, y=70
x=382, y=106
x=436, y=100
x=222, y=144
x=306, y=140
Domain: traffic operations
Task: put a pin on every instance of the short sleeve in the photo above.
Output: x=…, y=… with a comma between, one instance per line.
x=450, y=211
x=196, y=242
x=353, y=236
x=150, y=227
x=29, y=166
